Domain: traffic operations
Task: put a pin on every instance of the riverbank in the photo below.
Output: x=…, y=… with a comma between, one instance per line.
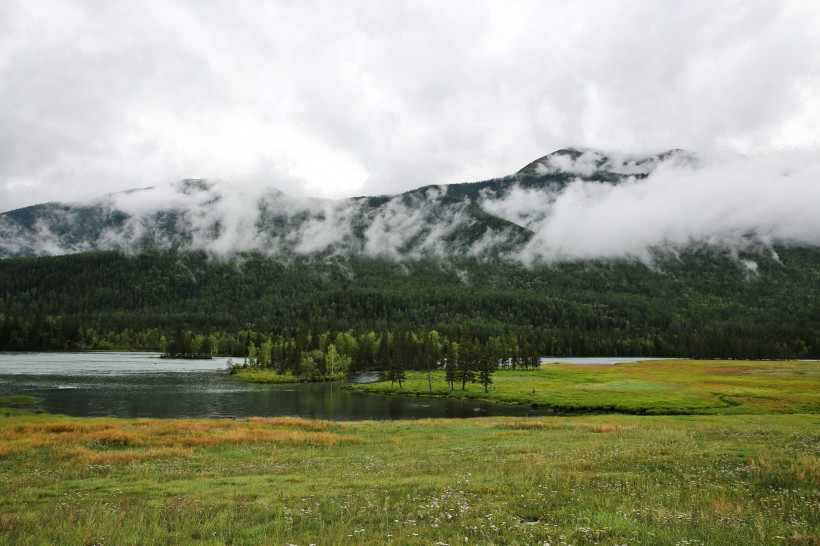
x=14, y=404
x=661, y=387
x=252, y=374
x=613, y=479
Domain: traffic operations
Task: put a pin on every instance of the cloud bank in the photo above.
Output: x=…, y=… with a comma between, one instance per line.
x=337, y=98
x=725, y=200
x=609, y=207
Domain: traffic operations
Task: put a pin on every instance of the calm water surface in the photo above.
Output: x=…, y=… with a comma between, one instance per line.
x=143, y=385
x=598, y=360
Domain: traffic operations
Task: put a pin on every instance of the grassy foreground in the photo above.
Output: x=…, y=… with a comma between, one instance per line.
x=670, y=387
x=622, y=479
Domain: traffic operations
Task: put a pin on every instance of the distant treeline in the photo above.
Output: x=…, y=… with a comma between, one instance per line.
x=699, y=303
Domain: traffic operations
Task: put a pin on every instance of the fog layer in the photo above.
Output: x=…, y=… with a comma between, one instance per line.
x=586, y=206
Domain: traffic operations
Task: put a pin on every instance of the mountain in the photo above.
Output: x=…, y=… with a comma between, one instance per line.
x=577, y=253
x=482, y=219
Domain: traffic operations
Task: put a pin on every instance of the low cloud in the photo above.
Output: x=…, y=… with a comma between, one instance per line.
x=667, y=203
x=728, y=200
x=225, y=220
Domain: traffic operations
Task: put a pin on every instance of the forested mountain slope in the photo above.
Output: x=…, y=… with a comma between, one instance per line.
x=578, y=253
x=480, y=219
x=703, y=302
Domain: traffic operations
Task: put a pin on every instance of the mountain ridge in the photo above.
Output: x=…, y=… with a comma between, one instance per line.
x=499, y=218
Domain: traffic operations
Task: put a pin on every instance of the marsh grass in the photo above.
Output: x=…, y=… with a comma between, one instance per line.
x=606, y=479
x=745, y=471
x=253, y=374
x=663, y=387
x=12, y=400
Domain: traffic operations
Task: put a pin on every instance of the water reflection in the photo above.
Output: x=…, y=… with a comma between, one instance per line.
x=141, y=385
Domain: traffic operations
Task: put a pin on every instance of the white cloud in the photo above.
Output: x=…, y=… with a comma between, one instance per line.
x=724, y=199
x=332, y=99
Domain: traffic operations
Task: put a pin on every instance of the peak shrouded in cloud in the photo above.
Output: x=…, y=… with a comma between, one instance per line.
x=668, y=201
x=568, y=205
x=340, y=99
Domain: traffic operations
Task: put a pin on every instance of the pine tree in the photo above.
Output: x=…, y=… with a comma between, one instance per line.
x=487, y=365
x=431, y=355
x=450, y=360
x=466, y=361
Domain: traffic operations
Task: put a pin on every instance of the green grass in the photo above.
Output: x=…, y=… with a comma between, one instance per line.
x=262, y=375
x=614, y=479
x=746, y=471
x=667, y=387
x=11, y=400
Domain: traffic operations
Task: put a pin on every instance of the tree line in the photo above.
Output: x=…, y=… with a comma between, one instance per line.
x=699, y=303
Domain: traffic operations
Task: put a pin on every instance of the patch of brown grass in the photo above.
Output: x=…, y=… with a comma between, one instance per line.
x=113, y=436
x=603, y=428
x=114, y=442
x=808, y=469
x=726, y=509
x=513, y=433
x=82, y=455
x=9, y=449
x=532, y=425
x=294, y=422
x=290, y=437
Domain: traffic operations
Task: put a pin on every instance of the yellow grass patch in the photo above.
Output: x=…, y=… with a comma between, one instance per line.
x=78, y=454
x=8, y=449
x=297, y=422
x=522, y=425
x=113, y=436
x=513, y=433
x=726, y=509
x=602, y=428
x=93, y=442
x=292, y=437
x=808, y=469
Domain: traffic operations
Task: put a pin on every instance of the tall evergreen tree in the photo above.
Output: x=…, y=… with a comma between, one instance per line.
x=431, y=355
x=487, y=365
x=465, y=373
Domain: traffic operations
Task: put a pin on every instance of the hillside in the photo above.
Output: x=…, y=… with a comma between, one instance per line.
x=490, y=258
x=480, y=219
x=702, y=303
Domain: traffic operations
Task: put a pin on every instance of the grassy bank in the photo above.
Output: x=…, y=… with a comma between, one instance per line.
x=254, y=374
x=620, y=479
x=649, y=387
x=16, y=404
x=18, y=400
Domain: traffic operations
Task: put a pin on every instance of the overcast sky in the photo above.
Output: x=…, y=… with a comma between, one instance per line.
x=346, y=98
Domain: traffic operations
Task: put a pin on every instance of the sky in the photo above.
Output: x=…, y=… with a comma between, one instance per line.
x=334, y=99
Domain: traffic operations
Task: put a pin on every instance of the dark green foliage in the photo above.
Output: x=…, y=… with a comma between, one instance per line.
x=702, y=303
x=487, y=363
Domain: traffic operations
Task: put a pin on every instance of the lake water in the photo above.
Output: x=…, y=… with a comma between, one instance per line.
x=598, y=360
x=143, y=385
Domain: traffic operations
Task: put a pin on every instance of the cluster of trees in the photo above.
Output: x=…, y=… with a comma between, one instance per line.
x=465, y=359
x=700, y=303
x=187, y=344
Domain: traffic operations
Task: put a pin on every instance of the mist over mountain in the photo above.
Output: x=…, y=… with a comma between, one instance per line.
x=568, y=205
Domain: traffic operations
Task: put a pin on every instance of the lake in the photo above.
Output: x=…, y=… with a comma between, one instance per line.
x=598, y=360
x=143, y=385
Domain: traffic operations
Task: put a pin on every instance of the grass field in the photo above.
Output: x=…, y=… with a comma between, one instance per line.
x=253, y=374
x=649, y=387
x=560, y=480
x=743, y=478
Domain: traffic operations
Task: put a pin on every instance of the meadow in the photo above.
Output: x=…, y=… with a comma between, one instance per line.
x=253, y=374
x=660, y=387
x=725, y=478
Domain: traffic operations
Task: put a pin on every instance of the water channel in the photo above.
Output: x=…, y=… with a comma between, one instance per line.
x=143, y=385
